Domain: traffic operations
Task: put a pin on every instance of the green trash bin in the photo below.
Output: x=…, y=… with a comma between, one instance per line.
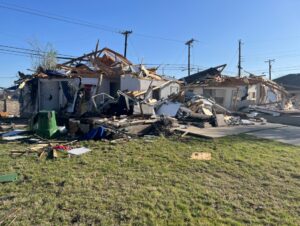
x=46, y=124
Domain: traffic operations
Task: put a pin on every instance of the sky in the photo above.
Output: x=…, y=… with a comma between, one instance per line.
x=269, y=29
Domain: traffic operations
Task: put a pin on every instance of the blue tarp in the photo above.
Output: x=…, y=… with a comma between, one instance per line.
x=95, y=134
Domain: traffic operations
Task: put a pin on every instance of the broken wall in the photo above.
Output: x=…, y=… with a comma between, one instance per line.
x=57, y=94
x=269, y=94
x=167, y=90
x=28, y=99
x=132, y=83
x=222, y=95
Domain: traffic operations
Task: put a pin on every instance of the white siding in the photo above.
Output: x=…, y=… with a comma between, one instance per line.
x=130, y=83
x=104, y=87
x=166, y=91
x=145, y=83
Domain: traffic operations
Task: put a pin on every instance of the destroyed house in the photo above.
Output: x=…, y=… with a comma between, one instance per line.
x=81, y=84
x=234, y=92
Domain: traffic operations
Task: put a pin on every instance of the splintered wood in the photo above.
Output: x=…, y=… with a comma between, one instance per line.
x=201, y=156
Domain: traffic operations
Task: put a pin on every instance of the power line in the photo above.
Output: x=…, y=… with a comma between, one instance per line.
x=31, y=50
x=158, y=37
x=74, y=21
x=135, y=52
x=28, y=54
x=19, y=51
x=168, y=66
x=60, y=18
x=281, y=52
x=8, y=53
x=279, y=68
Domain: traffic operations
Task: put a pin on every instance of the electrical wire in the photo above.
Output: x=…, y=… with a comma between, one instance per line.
x=26, y=54
x=61, y=19
x=74, y=21
x=31, y=50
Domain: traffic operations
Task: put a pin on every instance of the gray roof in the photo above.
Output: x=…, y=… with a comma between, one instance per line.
x=203, y=75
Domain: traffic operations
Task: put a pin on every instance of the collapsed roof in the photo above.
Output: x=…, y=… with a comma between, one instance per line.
x=213, y=77
x=104, y=62
x=204, y=75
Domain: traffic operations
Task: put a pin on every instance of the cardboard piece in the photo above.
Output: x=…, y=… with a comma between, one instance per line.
x=201, y=156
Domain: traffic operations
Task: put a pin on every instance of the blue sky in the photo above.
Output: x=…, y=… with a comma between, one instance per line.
x=268, y=29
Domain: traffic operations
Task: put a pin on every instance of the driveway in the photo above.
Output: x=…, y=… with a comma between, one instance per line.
x=286, y=134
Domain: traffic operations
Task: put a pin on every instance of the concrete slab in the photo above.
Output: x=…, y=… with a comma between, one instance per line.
x=286, y=134
x=216, y=132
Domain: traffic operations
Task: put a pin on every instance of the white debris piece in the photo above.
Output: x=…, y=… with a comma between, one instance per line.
x=79, y=151
x=168, y=109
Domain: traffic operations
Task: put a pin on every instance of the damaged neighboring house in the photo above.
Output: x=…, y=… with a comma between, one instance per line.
x=234, y=92
x=291, y=83
x=80, y=85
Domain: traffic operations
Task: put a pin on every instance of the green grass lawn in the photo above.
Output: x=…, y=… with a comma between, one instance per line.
x=248, y=181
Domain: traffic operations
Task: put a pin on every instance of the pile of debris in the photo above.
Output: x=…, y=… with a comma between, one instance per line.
x=134, y=114
x=146, y=116
x=80, y=85
x=103, y=96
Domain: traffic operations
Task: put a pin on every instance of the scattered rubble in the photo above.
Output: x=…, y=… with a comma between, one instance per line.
x=175, y=113
x=103, y=96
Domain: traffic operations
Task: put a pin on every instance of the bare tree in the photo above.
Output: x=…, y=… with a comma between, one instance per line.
x=43, y=56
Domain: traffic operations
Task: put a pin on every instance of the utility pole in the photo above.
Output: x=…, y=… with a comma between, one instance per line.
x=126, y=33
x=240, y=59
x=189, y=44
x=270, y=67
